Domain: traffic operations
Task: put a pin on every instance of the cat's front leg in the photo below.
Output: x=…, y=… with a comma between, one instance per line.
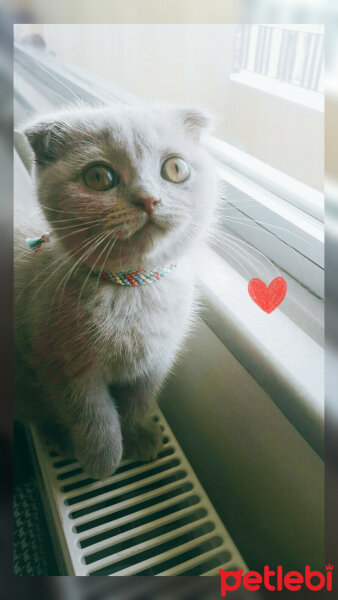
x=143, y=439
x=142, y=436
x=95, y=431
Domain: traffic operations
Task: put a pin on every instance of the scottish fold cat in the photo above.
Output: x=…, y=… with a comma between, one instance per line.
x=126, y=194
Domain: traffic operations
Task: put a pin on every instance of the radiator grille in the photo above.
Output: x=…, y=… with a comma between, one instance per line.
x=146, y=519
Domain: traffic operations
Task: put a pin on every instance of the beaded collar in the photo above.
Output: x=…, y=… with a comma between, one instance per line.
x=138, y=276
x=132, y=278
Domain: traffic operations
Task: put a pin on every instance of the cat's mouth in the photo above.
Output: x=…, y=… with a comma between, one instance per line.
x=147, y=228
x=150, y=225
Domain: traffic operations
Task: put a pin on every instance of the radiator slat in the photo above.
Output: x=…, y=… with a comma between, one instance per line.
x=153, y=561
x=153, y=543
x=149, y=527
x=194, y=562
x=97, y=485
x=126, y=503
x=100, y=529
x=94, y=484
x=130, y=535
x=92, y=505
x=147, y=519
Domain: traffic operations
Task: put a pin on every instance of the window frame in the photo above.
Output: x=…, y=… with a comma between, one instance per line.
x=291, y=236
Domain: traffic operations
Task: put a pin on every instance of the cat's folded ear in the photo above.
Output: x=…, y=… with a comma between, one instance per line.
x=195, y=120
x=48, y=138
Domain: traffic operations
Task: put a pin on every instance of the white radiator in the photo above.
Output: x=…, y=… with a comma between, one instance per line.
x=146, y=519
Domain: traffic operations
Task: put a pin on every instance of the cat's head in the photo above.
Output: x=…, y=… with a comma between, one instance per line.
x=125, y=186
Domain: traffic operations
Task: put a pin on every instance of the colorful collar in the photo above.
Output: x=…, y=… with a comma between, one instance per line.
x=134, y=277
x=138, y=276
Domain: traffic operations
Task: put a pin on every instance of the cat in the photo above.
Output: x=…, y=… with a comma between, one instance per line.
x=120, y=188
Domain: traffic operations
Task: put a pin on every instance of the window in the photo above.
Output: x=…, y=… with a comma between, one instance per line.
x=284, y=60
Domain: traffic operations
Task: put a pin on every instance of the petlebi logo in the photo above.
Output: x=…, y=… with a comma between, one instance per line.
x=276, y=580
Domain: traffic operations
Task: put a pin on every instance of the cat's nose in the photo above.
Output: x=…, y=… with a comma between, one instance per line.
x=146, y=203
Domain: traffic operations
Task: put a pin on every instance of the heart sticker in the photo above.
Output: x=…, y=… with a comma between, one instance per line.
x=267, y=298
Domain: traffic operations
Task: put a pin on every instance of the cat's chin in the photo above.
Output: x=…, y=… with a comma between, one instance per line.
x=141, y=241
x=137, y=250
x=145, y=232
x=151, y=245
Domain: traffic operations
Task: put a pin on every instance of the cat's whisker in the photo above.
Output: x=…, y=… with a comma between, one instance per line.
x=107, y=217
x=56, y=210
x=54, y=271
x=71, y=254
x=64, y=220
x=237, y=252
x=47, y=268
x=74, y=211
x=85, y=256
x=110, y=220
x=105, y=260
x=118, y=218
x=231, y=248
x=263, y=230
x=74, y=233
x=92, y=268
x=237, y=241
x=72, y=269
x=251, y=226
x=93, y=223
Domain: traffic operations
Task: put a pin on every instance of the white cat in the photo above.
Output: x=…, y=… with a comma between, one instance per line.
x=123, y=189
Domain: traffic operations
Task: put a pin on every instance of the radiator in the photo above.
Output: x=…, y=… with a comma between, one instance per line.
x=147, y=519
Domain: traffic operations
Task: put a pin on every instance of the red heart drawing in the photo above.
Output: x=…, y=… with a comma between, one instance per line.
x=267, y=298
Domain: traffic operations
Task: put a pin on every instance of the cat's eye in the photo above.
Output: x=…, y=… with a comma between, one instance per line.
x=100, y=178
x=175, y=169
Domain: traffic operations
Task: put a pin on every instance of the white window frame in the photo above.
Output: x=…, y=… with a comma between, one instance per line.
x=288, y=213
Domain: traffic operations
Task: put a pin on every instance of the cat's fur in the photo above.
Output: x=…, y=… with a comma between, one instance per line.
x=96, y=353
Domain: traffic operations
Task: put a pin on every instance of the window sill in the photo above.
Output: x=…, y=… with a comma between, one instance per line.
x=282, y=358
x=282, y=90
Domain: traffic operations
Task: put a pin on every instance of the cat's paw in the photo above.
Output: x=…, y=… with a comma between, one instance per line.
x=145, y=443
x=102, y=461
